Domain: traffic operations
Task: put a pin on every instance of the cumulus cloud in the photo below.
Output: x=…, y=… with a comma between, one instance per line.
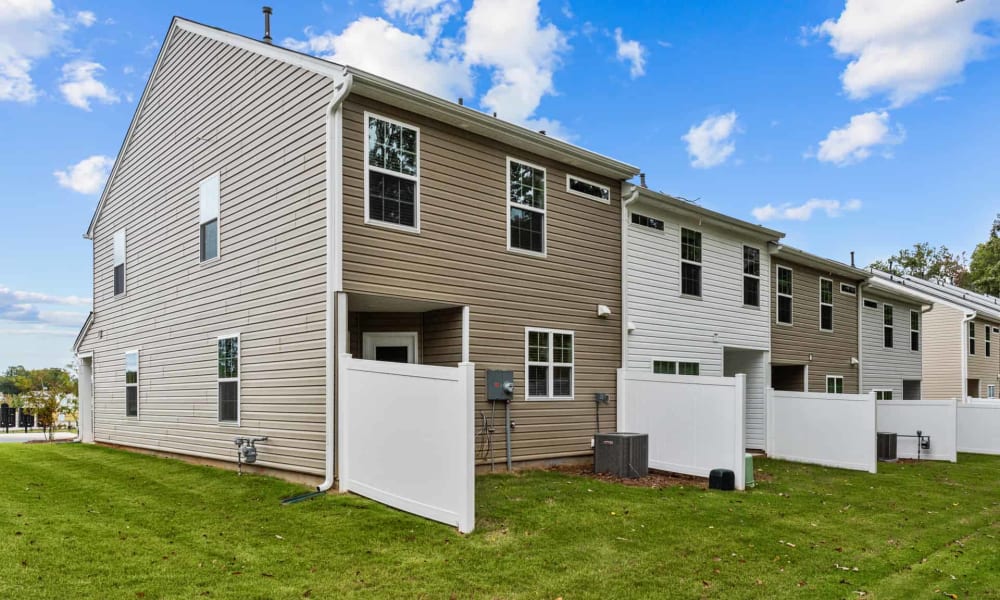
x=87, y=176
x=710, y=142
x=631, y=52
x=804, y=211
x=86, y=18
x=854, y=142
x=29, y=31
x=907, y=49
x=80, y=85
x=25, y=309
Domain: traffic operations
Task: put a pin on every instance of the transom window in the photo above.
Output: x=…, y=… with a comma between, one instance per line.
x=850, y=290
x=549, y=363
x=228, y=359
x=972, y=337
x=784, y=288
x=132, y=384
x=871, y=304
x=673, y=367
x=526, y=207
x=825, y=304
x=751, y=276
x=208, y=217
x=887, y=327
x=647, y=221
x=690, y=262
x=834, y=384
x=582, y=187
x=883, y=394
x=118, y=255
x=914, y=330
x=392, y=173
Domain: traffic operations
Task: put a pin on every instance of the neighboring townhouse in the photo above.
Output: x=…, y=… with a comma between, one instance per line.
x=961, y=358
x=269, y=210
x=892, y=323
x=697, y=300
x=814, y=324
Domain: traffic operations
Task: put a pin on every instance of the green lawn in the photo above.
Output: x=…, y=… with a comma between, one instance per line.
x=88, y=522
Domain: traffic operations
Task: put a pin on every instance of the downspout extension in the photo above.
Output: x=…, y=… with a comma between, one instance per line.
x=334, y=260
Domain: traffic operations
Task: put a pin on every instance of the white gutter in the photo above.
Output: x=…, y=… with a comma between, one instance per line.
x=334, y=258
x=627, y=199
x=969, y=316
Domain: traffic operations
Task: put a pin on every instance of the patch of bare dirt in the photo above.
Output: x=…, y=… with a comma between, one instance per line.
x=655, y=479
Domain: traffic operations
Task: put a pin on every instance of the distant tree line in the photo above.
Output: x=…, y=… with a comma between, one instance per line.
x=45, y=393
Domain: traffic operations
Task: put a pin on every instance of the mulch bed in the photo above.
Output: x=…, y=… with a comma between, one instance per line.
x=655, y=479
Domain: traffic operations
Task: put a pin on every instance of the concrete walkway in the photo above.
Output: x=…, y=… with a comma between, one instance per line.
x=21, y=437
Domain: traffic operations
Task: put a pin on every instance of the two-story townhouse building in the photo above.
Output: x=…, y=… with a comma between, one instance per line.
x=892, y=323
x=697, y=300
x=270, y=210
x=814, y=327
x=960, y=357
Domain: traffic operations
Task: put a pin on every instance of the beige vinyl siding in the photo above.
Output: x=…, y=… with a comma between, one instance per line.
x=944, y=345
x=832, y=351
x=442, y=343
x=985, y=369
x=460, y=257
x=886, y=368
x=260, y=124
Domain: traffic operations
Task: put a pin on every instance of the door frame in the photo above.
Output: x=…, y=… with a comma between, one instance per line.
x=372, y=339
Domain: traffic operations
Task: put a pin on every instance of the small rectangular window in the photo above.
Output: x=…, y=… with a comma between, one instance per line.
x=118, y=252
x=665, y=367
x=915, y=330
x=987, y=341
x=834, y=384
x=825, y=304
x=526, y=207
x=582, y=187
x=972, y=338
x=132, y=384
x=647, y=221
x=850, y=290
x=392, y=173
x=690, y=262
x=751, y=276
x=887, y=327
x=208, y=217
x=228, y=361
x=549, y=363
x=688, y=368
x=784, y=287
x=883, y=394
x=991, y=391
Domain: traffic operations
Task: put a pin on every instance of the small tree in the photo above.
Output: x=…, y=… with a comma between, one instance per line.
x=45, y=404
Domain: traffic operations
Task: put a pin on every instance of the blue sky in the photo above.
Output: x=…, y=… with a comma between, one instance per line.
x=866, y=125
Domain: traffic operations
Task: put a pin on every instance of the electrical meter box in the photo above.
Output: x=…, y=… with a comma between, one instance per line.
x=499, y=385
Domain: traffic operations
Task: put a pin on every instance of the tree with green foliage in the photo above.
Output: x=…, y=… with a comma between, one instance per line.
x=927, y=262
x=984, y=270
x=44, y=392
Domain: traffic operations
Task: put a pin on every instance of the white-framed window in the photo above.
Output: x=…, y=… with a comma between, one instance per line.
x=871, y=304
x=675, y=367
x=751, y=276
x=834, y=384
x=548, y=363
x=118, y=256
x=525, y=207
x=228, y=361
x=972, y=337
x=825, y=304
x=850, y=290
x=645, y=221
x=915, y=330
x=208, y=217
x=783, y=288
x=690, y=262
x=883, y=394
x=991, y=391
x=589, y=189
x=132, y=383
x=392, y=173
x=389, y=346
x=887, y=326
x=987, y=341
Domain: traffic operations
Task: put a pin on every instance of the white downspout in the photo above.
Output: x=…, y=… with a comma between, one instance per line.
x=627, y=200
x=861, y=338
x=334, y=258
x=965, y=355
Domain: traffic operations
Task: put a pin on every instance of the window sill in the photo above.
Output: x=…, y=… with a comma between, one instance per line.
x=751, y=307
x=779, y=323
x=210, y=262
x=529, y=253
x=393, y=226
x=691, y=296
x=229, y=423
x=548, y=398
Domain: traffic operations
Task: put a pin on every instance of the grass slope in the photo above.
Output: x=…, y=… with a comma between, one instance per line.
x=90, y=522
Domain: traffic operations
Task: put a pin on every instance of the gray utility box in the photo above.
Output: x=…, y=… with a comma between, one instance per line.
x=622, y=454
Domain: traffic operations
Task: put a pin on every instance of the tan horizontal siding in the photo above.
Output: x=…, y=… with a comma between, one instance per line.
x=985, y=368
x=942, y=354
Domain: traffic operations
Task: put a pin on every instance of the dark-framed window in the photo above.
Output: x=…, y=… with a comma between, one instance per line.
x=751, y=276
x=887, y=326
x=392, y=173
x=690, y=262
x=525, y=207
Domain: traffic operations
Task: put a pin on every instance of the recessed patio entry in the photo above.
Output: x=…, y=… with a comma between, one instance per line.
x=400, y=347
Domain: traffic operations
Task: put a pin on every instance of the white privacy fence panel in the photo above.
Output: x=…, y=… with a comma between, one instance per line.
x=406, y=437
x=695, y=424
x=979, y=427
x=936, y=418
x=836, y=430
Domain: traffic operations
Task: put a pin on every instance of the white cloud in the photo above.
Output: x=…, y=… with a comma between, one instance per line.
x=907, y=49
x=429, y=15
x=23, y=309
x=29, y=31
x=632, y=52
x=86, y=18
x=9, y=296
x=710, y=142
x=79, y=84
x=804, y=211
x=854, y=142
x=87, y=176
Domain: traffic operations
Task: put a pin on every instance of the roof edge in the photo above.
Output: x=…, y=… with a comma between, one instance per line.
x=83, y=332
x=722, y=219
x=820, y=263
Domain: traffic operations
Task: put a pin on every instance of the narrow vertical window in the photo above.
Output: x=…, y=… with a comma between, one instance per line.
x=825, y=304
x=208, y=217
x=915, y=330
x=784, y=288
x=887, y=326
x=549, y=363
x=987, y=341
x=132, y=384
x=751, y=276
x=525, y=207
x=972, y=337
x=690, y=262
x=991, y=391
x=118, y=252
x=834, y=384
x=228, y=359
x=392, y=173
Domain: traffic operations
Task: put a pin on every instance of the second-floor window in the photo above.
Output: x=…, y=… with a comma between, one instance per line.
x=825, y=304
x=987, y=341
x=582, y=187
x=972, y=337
x=887, y=325
x=208, y=218
x=118, y=254
x=914, y=330
x=392, y=173
x=525, y=207
x=132, y=384
x=751, y=276
x=690, y=262
x=784, y=288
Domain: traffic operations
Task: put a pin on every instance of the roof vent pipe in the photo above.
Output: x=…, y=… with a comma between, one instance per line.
x=852, y=258
x=642, y=179
x=461, y=102
x=267, y=24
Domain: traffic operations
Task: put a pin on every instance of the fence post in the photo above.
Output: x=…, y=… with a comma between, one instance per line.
x=741, y=463
x=343, y=424
x=467, y=385
x=954, y=419
x=873, y=465
x=769, y=421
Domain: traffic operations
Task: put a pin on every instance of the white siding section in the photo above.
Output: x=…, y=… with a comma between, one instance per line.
x=886, y=368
